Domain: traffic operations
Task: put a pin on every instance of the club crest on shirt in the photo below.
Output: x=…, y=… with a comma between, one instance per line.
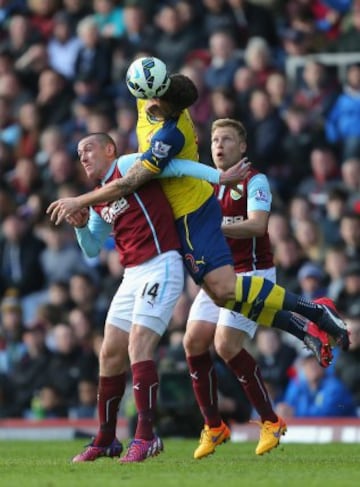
x=111, y=212
x=237, y=194
x=160, y=150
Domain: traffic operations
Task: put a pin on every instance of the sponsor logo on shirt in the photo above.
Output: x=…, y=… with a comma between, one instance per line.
x=111, y=212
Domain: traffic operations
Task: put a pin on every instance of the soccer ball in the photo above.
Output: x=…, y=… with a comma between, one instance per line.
x=147, y=77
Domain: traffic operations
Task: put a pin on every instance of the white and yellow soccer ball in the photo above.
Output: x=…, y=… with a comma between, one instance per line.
x=147, y=77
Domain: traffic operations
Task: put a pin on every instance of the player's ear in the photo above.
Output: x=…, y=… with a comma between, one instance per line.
x=243, y=147
x=110, y=150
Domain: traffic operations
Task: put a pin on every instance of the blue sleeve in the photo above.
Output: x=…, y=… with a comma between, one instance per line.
x=125, y=162
x=176, y=168
x=259, y=193
x=165, y=144
x=92, y=237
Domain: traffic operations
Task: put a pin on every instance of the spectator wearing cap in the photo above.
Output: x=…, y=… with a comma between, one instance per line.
x=311, y=280
x=348, y=301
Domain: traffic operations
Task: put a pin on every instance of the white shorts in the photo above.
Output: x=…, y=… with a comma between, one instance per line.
x=148, y=294
x=204, y=309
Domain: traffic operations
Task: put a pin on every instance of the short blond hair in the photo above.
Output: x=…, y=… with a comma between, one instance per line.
x=230, y=122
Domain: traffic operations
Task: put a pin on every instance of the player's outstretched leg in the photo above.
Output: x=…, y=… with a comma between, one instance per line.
x=259, y=299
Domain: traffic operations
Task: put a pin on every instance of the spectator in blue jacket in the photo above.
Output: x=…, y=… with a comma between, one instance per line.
x=314, y=393
x=343, y=122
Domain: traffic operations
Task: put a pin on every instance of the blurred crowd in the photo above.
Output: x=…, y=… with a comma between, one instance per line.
x=62, y=71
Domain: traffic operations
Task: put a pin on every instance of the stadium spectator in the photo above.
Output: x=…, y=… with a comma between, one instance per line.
x=41, y=16
x=109, y=18
x=24, y=180
x=65, y=366
x=217, y=16
x=279, y=226
x=311, y=280
x=266, y=130
x=325, y=174
x=334, y=265
x=347, y=364
x=93, y=62
x=29, y=120
x=349, y=38
x=13, y=89
x=335, y=207
x=254, y=20
x=175, y=37
x=343, y=121
x=84, y=295
x=60, y=247
x=348, y=299
x=26, y=375
x=63, y=46
x=313, y=394
x=350, y=234
x=275, y=359
x=86, y=404
x=288, y=257
x=316, y=92
x=311, y=239
x=12, y=348
x=20, y=252
x=53, y=98
x=224, y=60
x=258, y=57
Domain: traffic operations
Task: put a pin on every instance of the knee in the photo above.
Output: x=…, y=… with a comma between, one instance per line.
x=225, y=349
x=112, y=360
x=195, y=344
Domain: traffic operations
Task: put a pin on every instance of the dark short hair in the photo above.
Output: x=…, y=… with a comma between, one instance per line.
x=182, y=92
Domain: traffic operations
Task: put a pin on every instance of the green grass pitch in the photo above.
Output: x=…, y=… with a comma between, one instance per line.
x=47, y=464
